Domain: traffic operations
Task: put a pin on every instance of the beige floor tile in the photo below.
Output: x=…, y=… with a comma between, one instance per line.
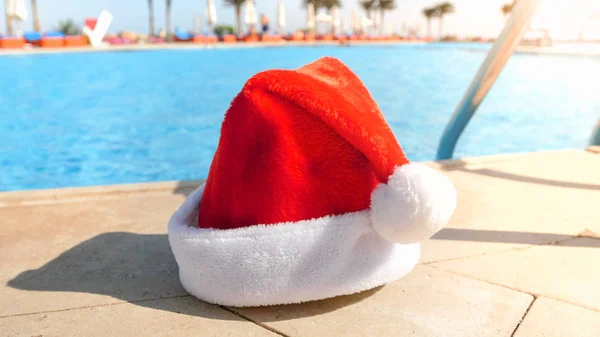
x=86, y=247
x=168, y=317
x=549, y=318
x=530, y=200
x=69, y=255
x=566, y=271
x=428, y=302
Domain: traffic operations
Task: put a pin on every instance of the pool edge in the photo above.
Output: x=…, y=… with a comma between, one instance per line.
x=70, y=194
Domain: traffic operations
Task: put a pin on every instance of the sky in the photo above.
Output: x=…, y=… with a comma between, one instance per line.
x=472, y=17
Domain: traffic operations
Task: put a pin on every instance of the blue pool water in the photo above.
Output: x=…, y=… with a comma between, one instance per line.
x=107, y=118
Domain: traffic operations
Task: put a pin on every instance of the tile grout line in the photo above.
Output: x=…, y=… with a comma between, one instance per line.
x=484, y=281
x=525, y=247
x=476, y=255
x=523, y=317
x=93, y=306
x=581, y=306
x=262, y=325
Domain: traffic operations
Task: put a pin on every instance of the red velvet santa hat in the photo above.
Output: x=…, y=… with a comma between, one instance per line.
x=309, y=196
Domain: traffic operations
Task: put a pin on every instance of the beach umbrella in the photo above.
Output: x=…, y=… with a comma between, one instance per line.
x=376, y=19
x=390, y=29
x=18, y=11
x=281, y=15
x=250, y=14
x=344, y=24
x=211, y=12
x=310, y=16
x=366, y=23
x=323, y=17
x=197, y=23
x=335, y=16
x=355, y=22
x=9, y=7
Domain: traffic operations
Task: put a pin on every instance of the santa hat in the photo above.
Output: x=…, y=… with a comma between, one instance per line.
x=309, y=196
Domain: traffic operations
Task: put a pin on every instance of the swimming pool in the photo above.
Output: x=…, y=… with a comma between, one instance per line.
x=107, y=118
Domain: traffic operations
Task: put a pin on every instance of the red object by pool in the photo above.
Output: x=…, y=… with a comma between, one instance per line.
x=91, y=23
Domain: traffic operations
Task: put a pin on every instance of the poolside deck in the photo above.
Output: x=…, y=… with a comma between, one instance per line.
x=519, y=258
x=194, y=46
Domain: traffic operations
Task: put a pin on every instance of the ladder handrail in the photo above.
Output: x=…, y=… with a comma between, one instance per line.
x=522, y=15
x=596, y=135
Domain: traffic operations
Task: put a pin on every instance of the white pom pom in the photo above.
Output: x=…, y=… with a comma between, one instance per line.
x=416, y=203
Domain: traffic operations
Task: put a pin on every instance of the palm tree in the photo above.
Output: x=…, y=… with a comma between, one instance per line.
x=507, y=8
x=237, y=4
x=328, y=5
x=36, y=18
x=441, y=10
x=150, y=18
x=386, y=5
x=367, y=5
x=317, y=3
x=429, y=13
x=9, y=26
x=68, y=27
x=168, y=19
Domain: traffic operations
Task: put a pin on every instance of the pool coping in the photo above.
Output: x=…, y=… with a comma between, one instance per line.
x=72, y=194
x=194, y=46
x=532, y=50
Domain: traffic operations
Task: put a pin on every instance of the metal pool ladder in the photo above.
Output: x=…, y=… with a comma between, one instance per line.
x=522, y=15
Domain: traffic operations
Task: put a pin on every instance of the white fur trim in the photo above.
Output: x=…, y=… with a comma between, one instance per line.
x=286, y=262
x=416, y=203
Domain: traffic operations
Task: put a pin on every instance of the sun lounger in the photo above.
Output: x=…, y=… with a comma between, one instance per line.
x=11, y=42
x=118, y=40
x=155, y=39
x=76, y=41
x=181, y=36
x=51, y=40
x=208, y=39
x=309, y=37
x=32, y=37
x=229, y=38
x=271, y=38
x=199, y=39
x=295, y=37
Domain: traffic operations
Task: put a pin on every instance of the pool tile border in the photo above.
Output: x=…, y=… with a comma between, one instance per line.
x=72, y=194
